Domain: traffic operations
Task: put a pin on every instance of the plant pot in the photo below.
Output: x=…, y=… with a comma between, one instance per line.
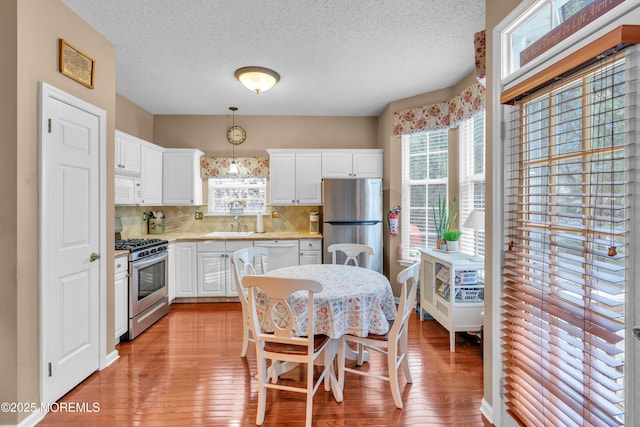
x=453, y=245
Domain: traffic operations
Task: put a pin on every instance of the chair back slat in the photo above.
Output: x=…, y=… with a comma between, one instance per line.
x=352, y=251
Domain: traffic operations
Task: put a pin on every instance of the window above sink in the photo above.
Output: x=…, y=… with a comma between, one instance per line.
x=237, y=196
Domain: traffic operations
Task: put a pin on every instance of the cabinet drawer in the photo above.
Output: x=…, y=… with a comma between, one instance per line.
x=211, y=246
x=310, y=244
x=122, y=265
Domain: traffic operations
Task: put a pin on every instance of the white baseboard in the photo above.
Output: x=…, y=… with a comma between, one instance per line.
x=112, y=357
x=33, y=419
x=486, y=410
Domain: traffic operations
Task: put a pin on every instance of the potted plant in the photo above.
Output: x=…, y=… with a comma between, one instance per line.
x=452, y=237
x=443, y=219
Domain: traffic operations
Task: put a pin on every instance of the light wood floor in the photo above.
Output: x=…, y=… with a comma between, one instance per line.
x=186, y=370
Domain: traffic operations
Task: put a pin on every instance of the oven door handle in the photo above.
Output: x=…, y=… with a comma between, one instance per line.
x=149, y=260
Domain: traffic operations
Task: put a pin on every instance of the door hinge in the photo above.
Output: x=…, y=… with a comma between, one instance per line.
x=49, y=368
x=49, y=126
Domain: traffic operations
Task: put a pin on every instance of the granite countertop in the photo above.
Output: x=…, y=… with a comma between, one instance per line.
x=278, y=235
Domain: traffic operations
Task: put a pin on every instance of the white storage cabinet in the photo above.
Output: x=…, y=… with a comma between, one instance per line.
x=181, y=181
x=151, y=174
x=186, y=275
x=310, y=251
x=295, y=177
x=352, y=163
x=452, y=291
x=215, y=271
x=121, y=285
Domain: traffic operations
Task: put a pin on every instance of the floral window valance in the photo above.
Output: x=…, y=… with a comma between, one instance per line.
x=440, y=116
x=480, y=46
x=420, y=119
x=466, y=104
x=218, y=167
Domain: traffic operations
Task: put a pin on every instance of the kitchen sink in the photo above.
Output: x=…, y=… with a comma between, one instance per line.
x=230, y=234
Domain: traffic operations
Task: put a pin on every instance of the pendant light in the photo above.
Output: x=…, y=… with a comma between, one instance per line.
x=233, y=168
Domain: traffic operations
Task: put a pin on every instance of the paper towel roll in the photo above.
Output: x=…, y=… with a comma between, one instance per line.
x=259, y=224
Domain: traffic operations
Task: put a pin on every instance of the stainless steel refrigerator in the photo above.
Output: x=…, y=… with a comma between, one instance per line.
x=352, y=213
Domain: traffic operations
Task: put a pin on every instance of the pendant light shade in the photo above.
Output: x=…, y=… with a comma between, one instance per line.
x=258, y=79
x=233, y=167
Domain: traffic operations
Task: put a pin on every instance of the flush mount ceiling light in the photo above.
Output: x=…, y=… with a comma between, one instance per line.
x=258, y=79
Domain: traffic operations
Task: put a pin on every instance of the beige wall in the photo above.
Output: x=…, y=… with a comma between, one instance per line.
x=9, y=352
x=209, y=133
x=132, y=119
x=33, y=27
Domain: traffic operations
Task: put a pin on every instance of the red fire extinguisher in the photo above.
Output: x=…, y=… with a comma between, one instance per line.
x=393, y=217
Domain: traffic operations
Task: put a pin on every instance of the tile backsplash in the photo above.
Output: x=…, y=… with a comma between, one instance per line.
x=182, y=219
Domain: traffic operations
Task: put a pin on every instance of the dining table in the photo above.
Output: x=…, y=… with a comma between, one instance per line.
x=354, y=300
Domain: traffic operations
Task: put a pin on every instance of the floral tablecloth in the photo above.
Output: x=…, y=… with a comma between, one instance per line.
x=354, y=300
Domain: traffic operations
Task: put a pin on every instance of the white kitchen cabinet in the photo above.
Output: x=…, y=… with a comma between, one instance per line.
x=181, y=181
x=282, y=253
x=186, y=276
x=138, y=177
x=171, y=271
x=215, y=271
x=151, y=174
x=352, y=163
x=121, y=296
x=310, y=251
x=127, y=153
x=452, y=291
x=295, y=177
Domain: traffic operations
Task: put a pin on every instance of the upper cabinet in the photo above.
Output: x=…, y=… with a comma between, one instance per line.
x=182, y=184
x=295, y=177
x=352, y=163
x=127, y=153
x=151, y=174
x=138, y=179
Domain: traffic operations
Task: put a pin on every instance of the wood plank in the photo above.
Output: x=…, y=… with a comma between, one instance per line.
x=187, y=370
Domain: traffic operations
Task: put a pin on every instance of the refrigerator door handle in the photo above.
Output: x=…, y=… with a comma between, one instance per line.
x=352, y=222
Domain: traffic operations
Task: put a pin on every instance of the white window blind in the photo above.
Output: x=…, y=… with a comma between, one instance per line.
x=568, y=197
x=424, y=176
x=472, y=179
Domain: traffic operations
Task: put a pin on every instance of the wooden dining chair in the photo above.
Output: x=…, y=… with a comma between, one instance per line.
x=283, y=345
x=393, y=343
x=352, y=251
x=247, y=261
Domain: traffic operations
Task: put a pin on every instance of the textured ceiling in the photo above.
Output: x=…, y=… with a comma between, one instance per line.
x=335, y=57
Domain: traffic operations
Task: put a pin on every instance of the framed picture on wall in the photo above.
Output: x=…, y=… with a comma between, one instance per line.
x=76, y=64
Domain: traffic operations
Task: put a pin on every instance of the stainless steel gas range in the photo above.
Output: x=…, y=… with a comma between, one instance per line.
x=148, y=300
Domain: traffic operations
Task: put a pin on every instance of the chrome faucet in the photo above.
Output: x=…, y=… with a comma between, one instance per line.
x=237, y=218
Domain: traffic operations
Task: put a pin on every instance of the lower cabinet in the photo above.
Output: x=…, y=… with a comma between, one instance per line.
x=310, y=251
x=204, y=269
x=215, y=271
x=171, y=271
x=185, y=269
x=121, y=285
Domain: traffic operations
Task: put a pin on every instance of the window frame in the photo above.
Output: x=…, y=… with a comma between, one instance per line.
x=427, y=237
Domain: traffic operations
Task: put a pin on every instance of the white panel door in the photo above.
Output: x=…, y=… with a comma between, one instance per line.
x=71, y=243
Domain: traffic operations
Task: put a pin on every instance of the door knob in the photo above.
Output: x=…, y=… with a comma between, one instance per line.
x=636, y=332
x=94, y=256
